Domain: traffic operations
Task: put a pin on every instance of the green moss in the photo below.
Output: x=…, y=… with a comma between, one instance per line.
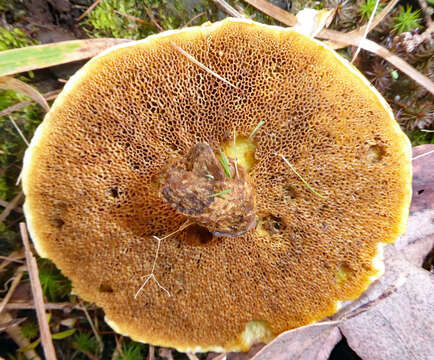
x=418, y=137
x=367, y=8
x=15, y=38
x=85, y=343
x=54, y=285
x=133, y=351
x=30, y=329
x=406, y=20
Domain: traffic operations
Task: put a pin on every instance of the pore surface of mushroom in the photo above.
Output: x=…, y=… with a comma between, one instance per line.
x=143, y=141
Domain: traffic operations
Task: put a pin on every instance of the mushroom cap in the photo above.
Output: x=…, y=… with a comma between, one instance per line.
x=91, y=179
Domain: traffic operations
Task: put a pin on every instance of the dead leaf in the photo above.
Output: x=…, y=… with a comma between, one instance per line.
x=41, y=56
x=313, y=342
x=10, y=83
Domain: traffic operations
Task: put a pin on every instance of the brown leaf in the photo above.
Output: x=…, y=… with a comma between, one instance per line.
x=311, y=342
x=10, y=83
x=399, y=327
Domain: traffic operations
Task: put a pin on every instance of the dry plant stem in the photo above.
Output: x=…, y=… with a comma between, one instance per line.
x=94, y=330
x=5, y=204
x=12, y=205
x=193, y=18
x=14, y=322
x=149, y=13
x=14, y=256
x=10, y=83
x=228, y=9
x=38, y=298
x=427, y=11
x=133, y=18
x=11, y=259
x=18, y=337
x=202, y=66
x=19, y=131
x=365, y=33
x=48, y=306
x=51, y=95
x=151, y=352
x=87, y=12
x=17, y=278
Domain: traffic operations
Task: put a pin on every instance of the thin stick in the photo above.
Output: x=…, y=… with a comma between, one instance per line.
x=51, y=95
x=425, y=130
x=87, y=12
x=151, y=353
x=94, y=330
x=19, y=131
x=133, y=18
x=192, y=356
x=202, y=66
x=301, y=178
x=12, y=205
x=11, y=259
x=38, y=297
x=228, y=9
x=427, y=10
x=422, y=155
x=149, y=13
x=368, y=27
x=194, y=18
x=17, y=278
x=66, y=306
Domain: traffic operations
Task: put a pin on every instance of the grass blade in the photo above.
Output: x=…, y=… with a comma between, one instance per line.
x=227, y=191
x=41, y=56
x=225, y=163
x=302, y=179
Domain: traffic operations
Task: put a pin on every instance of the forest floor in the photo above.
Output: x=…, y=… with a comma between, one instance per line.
x=82, y=332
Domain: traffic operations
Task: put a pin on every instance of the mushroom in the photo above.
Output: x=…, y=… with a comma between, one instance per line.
x=267, y=197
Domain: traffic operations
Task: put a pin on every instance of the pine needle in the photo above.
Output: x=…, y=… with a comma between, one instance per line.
x=302, y=179
x=225, y=163
x=422, y=155
x=227, y=191
x=202, y=66
x=256, y=128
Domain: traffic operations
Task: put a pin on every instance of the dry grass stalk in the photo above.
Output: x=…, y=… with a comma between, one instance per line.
x=94, y=330
x=192, y=356
x=90, y=8
x=228, y=9
x=18, y=337
x=28, y=305
x=151, y=352
x=422, y=155
x=133, y=18
x=13, y=257
x=202, y=66
x=17, y=278
x=51, y=95
x=38, y=297
x=193, y=18
x=11, y=206
x=5, y=204
x=10, y=83
x=365, y=33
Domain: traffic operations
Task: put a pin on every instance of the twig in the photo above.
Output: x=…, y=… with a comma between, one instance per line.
x=202, y=66
x=51, y=95
x=12, y=205
x=87, y=12
x=19, y=130
x=194, y=18
x=48, y=306
x=365, y=33
x=301, y=178
x=151, y=352
x=14, y=322
x=155, y=22
x=17, y=278
x=133, y=18
x=5, y=204
x=38, y=298
x=94, y=330
x=422, y=155
x=228, y=9
x=18, y=337
x=11, y=259
x=14, y=255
